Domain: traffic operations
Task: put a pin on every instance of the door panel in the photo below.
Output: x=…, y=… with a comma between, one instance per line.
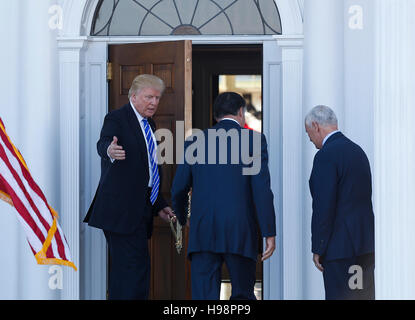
x=172, y=62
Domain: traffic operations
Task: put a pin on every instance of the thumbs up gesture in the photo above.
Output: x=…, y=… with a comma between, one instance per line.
x=115, y=151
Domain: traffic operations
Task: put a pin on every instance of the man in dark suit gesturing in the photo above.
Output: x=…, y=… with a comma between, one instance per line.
x=227, y=204
x=128, y=195
x=343, y=240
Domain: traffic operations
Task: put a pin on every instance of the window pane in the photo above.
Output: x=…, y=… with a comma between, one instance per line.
x=245, y=17
x=153, y=26
x=268, y=11
x=166, y=17
x=186, y=9
x=125, y=17
x=205, y=11
x=219, y=25
x=166, y=11
x=103, y=16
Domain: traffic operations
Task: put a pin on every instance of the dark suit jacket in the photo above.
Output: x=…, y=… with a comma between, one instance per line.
x=121, y=201
x=226, y=205
x=341, y=188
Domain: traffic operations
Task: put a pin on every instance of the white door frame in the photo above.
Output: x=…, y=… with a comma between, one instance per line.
x=83, y=105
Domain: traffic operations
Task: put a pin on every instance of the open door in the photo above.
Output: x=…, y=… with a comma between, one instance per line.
x=218, y=68
x=172, y=62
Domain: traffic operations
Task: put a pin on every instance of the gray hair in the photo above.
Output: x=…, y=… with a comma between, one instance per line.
x=323, y=115
x=146, y=81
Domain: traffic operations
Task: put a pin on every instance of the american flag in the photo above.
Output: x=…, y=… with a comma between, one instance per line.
x=38, y=219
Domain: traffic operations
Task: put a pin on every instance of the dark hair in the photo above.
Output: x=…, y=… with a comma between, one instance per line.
x=227, y=103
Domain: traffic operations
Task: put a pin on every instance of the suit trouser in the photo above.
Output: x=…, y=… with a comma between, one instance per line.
x=350, y=279
x=206, y=275
x=129, y=276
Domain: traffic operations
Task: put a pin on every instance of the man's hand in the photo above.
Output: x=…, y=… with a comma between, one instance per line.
x=115, y=151
x=270, y=247
x=167, y=214
x=316, y=260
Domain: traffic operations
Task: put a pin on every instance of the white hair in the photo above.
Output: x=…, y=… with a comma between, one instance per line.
x=322, y=115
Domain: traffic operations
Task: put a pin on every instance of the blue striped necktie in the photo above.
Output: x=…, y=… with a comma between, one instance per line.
x=153, y=162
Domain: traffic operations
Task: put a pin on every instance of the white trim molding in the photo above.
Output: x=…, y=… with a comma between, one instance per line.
x=291, y=16
x=93, y=110
x=291, y=121
x=71, y=94
x=282, y=111
x=272, y=109
x=77, y=17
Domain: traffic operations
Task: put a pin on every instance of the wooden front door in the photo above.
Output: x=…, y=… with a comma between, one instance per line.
x=172, y=62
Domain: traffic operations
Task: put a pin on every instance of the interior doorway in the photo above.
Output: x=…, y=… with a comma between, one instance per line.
x=220, y=68
x=210, y=69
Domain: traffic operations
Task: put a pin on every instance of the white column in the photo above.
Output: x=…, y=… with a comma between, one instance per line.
x=323, y=84
x=394, y=152
x=29, y=108
x=292, y=199
x=358, y=73
x=272, y=128
x=93, y=247
x=12, y=235
x=283, y=61
x=323, y=54
x=71, y=94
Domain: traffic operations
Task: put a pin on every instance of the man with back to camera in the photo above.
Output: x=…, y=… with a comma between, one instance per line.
x=226, y=206
x=343, y=240
x=128, y=195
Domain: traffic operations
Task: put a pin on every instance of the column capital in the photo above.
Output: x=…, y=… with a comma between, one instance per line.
x=290, y=41
x=72, y=43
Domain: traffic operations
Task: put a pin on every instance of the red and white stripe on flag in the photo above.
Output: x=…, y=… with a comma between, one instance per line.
x=39, y=220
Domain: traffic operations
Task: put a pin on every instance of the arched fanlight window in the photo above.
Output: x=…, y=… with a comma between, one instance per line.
x=186, y=17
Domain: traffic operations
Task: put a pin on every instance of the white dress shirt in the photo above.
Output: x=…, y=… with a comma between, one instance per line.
x=231, y=120
x=140, y=121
